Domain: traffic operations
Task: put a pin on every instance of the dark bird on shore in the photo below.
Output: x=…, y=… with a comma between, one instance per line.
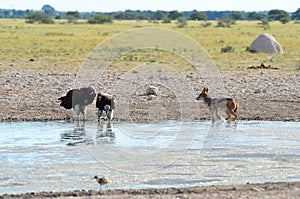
x=106, y=103
x=102, y=181
x=78, y=99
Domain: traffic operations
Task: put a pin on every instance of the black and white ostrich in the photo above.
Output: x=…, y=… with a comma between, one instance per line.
x=78, y=99
x=106, y=103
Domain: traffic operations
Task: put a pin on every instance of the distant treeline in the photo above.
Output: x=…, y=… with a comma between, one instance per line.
x=156, y=15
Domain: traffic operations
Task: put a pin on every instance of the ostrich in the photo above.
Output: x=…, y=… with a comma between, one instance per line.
x=78, y=99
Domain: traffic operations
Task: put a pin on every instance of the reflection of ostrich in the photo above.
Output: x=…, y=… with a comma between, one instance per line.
x=78, y=99
x=76, y=136
x=105, y=135
x=80, y=127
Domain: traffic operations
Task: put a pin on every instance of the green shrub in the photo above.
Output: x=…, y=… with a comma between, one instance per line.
x=225, y=23
x=264, y=24
x=181, y=22
x=39, y=17
x=166, y=20
x=206, y=24
x=100, y=19
x=227, y=49
x=285, y=20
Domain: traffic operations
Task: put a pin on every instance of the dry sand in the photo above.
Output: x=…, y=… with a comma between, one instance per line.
x=28, y=94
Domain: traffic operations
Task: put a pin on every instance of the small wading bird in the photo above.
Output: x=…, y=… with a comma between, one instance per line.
x=215, y=104
x=102, y=181
x=78, y=99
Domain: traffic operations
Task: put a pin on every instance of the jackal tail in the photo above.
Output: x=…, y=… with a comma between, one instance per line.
x=236, y=106
x=232, y=107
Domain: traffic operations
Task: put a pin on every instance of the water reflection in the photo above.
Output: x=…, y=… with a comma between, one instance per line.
x=105, y=135
x=218, y=124
x=79, y=135
x=76, y=136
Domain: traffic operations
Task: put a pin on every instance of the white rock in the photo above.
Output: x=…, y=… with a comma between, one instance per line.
x=164, y=77
x=150, y=97
x=266, y=43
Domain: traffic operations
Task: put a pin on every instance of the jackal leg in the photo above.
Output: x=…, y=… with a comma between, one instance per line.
x=213, y=114
x=218, y=116
x=228, y=115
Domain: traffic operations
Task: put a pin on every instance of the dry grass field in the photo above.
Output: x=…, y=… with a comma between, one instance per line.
x=64, y=46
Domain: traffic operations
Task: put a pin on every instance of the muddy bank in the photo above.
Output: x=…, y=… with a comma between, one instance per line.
x=265, y=190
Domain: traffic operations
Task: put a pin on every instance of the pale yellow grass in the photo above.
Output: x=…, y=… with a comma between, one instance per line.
x=65, y=46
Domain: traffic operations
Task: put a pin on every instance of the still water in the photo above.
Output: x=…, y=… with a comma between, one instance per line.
x=64, y=156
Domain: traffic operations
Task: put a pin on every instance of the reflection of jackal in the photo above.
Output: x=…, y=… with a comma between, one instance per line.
x=215, y=104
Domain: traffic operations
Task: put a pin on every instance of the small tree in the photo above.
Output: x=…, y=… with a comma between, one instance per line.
x=173, y=15
x=166, y=20
x=72, y=16
x=181, y=22
x=226, y=23
x=285, y=19
x=100, y=19
x=237, y=16
x=158, y=15
x=39, y=17
x=264, y=24
x=195, y=15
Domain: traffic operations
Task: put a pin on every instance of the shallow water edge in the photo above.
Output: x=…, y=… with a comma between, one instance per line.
x=62, y=156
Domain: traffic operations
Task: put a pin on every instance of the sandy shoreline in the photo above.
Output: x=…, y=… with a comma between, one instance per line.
x=265, y=190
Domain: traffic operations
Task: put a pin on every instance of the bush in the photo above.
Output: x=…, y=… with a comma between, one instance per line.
x=47, y=20
x=285, y=20
x=226, y=23
x=39, y=17
x=264, y=24
x=181, y=22
x=206, y=24
x=100, y=19
x=72, y=16
x=227, y=49
x=166, y=20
